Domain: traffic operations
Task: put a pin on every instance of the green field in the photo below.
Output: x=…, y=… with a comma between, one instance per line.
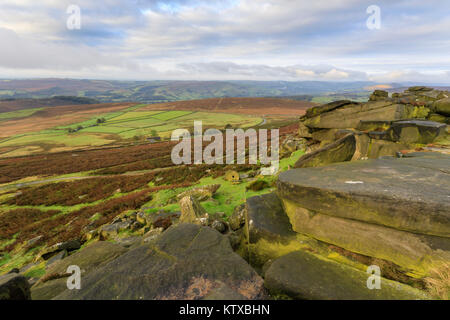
x=72, y=140
x=92, y=121
x=129, y=123
x=169, y=115
x=18, y=114
x=134, y=115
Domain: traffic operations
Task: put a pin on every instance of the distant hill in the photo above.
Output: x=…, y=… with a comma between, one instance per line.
x=166, y=91
x=251, y=106
x=11, y=104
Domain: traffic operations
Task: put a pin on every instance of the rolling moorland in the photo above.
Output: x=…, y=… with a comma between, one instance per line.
x=80, y=127
x=80, y=160
x=90, y=185
x=166, y=91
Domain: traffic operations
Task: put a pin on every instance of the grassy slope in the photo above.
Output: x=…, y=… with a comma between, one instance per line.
x=18, y=114
x=226, y=199
x=125, y=124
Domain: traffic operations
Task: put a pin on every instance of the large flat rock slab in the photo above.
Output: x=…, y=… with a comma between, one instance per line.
x=302, y=275
x=416, y=254
x=349, y=115
x=88, y=259
x=338, y=151
x=409, y=194
x=269, y=233
x=186, y=262
x=266, y=219
x=417, y=131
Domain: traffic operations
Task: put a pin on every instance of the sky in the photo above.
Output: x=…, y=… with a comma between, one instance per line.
x=292, y=40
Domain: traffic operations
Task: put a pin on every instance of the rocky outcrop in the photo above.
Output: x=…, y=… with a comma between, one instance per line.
x=110, y=231
x=292, y=143
x=200, y=193
x=192, y=211
x=416, y=131
x=186, y=262
x=257, y=185
x=378, y=95
x=298, y=264
x=88, y=259
x=349, y=115
x=382, y=126
x=268, y=233
x=14, y=286
x=442, y=107
x=49, y=252
x=302, y=275
x=237, y=219
x=393, y=209
x=338, y=151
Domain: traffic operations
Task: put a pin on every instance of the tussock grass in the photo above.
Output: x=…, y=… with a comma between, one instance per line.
x=438, y=282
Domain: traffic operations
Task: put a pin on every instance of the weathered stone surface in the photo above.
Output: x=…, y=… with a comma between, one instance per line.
x=303, y=131
x=405, y=195
x=266, y=218
x=269, y=233
x=186, y=262
x=141, y=217
x=378, y=95
x=152, y=235
x=191, y=210
x=380, y=148
x=338, y=151
x=413, y=252
x=237, y=219
x=315, y=111
x=219, y=226
x=224, y=292
x=163, y=219
x=257, y=185
x=416, y=131
x=328, y=135
x=418, y=89
x=288, y=145
x=48, y=290
x=14, y=286
x=200, y=193
x=349, y=116
x=33, y=242
x=57, y=257
x=373, y=125
x=128, y=241
x=362, y=146
x=110, y=231
x=27, y=267
x=87, y=259
x=379, y=135
x=439, y=118
x=442, y=106
x=70, y=245
x=301, y=275
x=89, y=235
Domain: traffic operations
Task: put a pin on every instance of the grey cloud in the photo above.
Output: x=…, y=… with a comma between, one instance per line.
x=258, y=39
x=295, y=72
x=413, y=76
x=25, y=53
